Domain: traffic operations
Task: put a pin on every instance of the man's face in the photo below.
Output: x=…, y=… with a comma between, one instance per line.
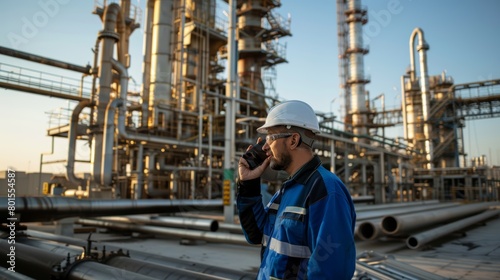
x=277, y=146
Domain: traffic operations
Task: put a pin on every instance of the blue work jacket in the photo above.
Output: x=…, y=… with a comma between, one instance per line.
x=306, y=230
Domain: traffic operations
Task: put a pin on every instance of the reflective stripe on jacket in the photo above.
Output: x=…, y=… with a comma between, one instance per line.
x=306, y=230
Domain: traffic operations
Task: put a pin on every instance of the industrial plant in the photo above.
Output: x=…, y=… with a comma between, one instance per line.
x=172, y=144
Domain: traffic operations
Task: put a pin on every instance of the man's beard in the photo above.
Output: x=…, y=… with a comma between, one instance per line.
x=282, y=162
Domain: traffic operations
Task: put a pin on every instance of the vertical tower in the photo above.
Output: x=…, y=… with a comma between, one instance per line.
x=258, y=48
x=416, y=103
x=352, y=17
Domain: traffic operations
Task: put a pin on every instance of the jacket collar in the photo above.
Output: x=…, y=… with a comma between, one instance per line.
x=305, y=172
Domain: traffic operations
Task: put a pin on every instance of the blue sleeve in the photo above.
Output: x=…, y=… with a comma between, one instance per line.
x=251, y=212
x=331, y=238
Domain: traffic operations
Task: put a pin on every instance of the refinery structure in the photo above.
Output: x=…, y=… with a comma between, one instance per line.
x=207, y=84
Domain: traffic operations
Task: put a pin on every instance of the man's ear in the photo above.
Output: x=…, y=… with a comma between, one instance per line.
x=295, y=140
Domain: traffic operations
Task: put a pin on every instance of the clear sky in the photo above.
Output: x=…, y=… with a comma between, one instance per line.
x=464, y=38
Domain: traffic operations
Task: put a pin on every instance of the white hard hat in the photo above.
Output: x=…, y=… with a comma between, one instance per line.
x=295, y=113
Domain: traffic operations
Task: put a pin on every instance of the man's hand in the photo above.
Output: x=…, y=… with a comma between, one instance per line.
x=244, y=171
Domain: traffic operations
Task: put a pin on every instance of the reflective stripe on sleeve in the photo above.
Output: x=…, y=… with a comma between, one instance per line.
x=296, y=210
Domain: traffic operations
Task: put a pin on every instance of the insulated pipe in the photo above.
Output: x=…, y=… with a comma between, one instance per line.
x=216, y=237
x=409, y=223
x=72, y=135
x=150, y=258
x=33, y=209
x=417, y=240
x=44, y=60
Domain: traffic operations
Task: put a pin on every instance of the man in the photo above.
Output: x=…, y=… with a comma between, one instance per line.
x=307, y=229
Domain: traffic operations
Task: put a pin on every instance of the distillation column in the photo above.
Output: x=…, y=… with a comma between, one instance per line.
x=356, y=17
x=157, y=83
x=258, y=48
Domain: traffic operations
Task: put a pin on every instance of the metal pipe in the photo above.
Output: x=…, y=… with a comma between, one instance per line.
x=216, y=237
x=150, y=258
x=411, y=208
x=422, y=47
x=45, y=60
x=53, y=247
x=140, y=172
x=38, y=263
x=146, y=62
x=368, y=225
x=369, y=208
x=141, y=267
x=407, y=224
x=369, y=229
x=418, y=240
x=30, y=261
x=163, y=221
x=89, y=270
x=72, y=135
x=12, y=275
x=155, y=270
x=32, y=209
x=229, y=141
x=202, y=224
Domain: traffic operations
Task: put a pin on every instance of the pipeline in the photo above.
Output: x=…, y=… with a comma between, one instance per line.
x=121, y=261
x=371, y=265
x=418, y=240
x=407, y=224
x=368, y=215
x=35, y=209
x=155, y=270
x=177, y=222
x=72, y=136
x=44, y=60
x=217, y=237
x=150, y=258
x=12, y=275
x=40, y=264
x=368, y=225
x=369, y=208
